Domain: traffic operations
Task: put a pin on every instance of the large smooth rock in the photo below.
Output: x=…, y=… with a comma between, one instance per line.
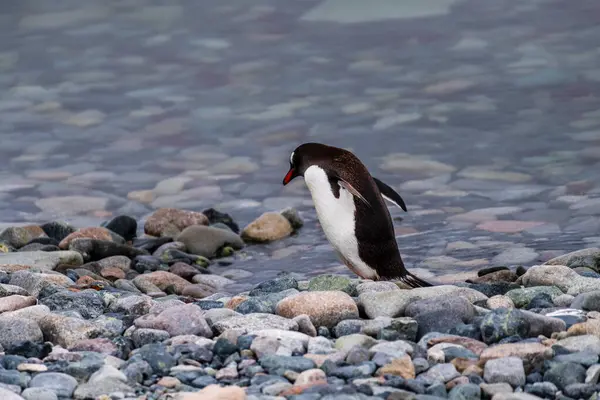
x=270, y=226
x=393, y=303
x=325, y=308
x=67, y=331
x=567, y=280
x=205, y=241
x=589, y=258
x=41, y=260
x=14, y=330
x=62, y=384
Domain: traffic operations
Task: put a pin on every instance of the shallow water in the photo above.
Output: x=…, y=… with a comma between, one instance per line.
x=460, y=105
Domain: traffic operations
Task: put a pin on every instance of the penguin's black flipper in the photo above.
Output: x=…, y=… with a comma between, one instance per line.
x=390, y=194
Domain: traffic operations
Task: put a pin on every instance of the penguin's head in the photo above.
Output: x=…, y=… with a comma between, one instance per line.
x=308, y=154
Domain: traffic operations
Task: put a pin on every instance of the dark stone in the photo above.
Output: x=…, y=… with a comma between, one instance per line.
x=438, y=389
x=4, y=277
x=203, y=381
x=84, y=368
x=209, y=304
x=467, y=330
x=215, y=216
x=88, y=303
x=30, y=349
x=95, y=250
x=157, y=356
x=589, y=301
x=365, y=369
x=148, y=263
x=534, y=377
x=357, y=355
x=323, y=331
x=580, y=390
x=565, y=374
x=405, y=384
x=124, y=226
x=450, y=353
x=137, y=370
x=191, y=351
x=348, y=327
x=279, y=364
x=584, y=358
x=490, y=270
x=493, y=289
x=150, y=244
x=224, y=348
x=502, y=323
x=282, y=282
x=542, y=389
x=245, y=341
x=44, y=240
x=124, y=346
x=172, y=256
x=468, y=391
x=39, y=247
x=540, y=300
x=255, y=305
x=57, y=230
x=13, y=377
x=11, y=361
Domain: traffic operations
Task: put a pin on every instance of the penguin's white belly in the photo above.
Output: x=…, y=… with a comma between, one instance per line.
x=337, y=218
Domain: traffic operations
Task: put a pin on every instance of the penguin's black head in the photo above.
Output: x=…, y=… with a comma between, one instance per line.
x=308, y=154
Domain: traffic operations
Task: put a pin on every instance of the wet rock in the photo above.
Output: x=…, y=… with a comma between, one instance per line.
x=171, y=221
x=268, y=227
x=505, y=370
x=199, y=291
x=282, y=282
x=124, y=226
x=185, y=319
x=165, y=281
x=95, y=250
x=87, y=303
x=184, y=270
x=215, y=217
x=206, y=241
x=96, y=232
x=57, y=230
x=15, y=330
x=21, y=235
x=325, y=308
x=502, y=323
x=40, y=260
x=277, y=365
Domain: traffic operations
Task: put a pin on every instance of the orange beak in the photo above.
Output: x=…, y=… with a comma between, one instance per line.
x=289, y=176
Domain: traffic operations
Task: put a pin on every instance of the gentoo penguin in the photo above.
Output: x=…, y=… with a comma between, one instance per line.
x=352, y=212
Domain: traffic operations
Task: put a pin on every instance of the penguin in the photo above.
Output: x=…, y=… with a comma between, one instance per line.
x=352, y=212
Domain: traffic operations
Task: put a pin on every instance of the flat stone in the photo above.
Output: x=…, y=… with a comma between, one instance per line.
x=62, y=384
x=393, y=303
x=41, y=260
x=254, y=322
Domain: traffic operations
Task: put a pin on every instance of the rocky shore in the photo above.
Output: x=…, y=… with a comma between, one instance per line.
x=121, y=312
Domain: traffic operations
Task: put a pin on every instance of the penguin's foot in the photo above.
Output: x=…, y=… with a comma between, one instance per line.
x=414, y=281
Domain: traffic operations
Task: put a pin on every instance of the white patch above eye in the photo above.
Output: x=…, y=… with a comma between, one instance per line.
x=292, y=157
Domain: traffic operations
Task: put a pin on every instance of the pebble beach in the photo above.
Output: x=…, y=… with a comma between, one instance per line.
x=148, y=250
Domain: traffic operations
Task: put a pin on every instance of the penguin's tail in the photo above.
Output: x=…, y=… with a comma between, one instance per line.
x=414, y=281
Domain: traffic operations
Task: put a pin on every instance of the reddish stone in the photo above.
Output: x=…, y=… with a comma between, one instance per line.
x=95, y=232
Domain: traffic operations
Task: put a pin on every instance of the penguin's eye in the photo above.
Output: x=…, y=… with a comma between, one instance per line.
x=292, y=158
